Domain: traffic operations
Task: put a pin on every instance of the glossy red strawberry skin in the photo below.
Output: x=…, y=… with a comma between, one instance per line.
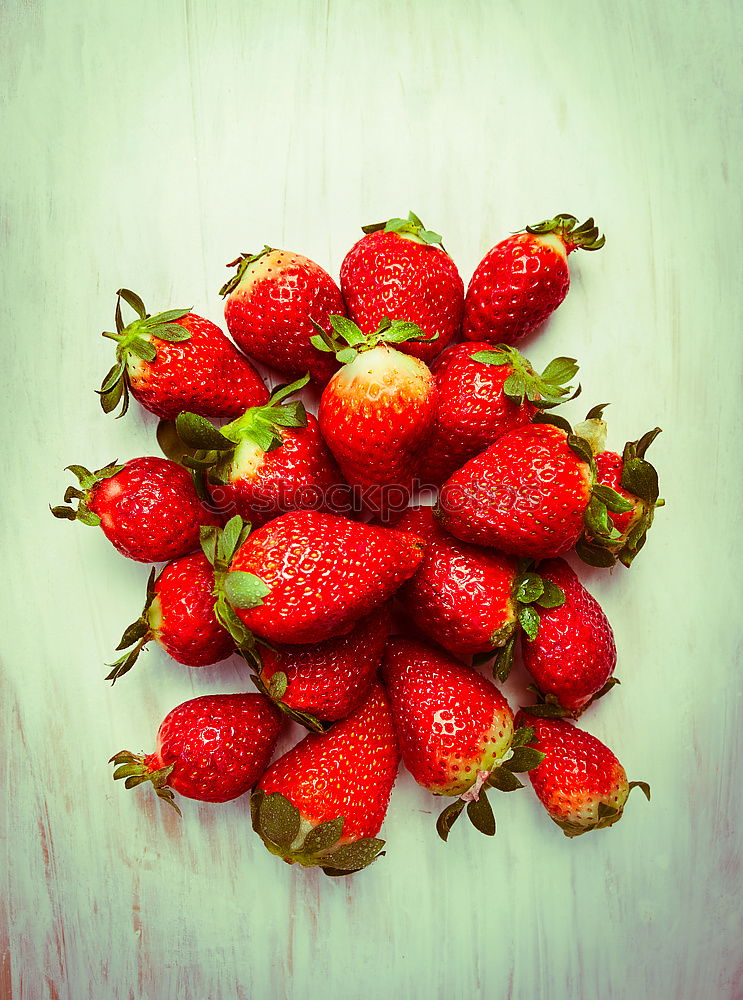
x=348, y=771
x=450, y=721
x=220, y=745
x=269, y=313
x=526, y=494
x=182, y=613
x=609, y=467
x=577, y=773
x=573, y=654
x=515, y=287
x=473, y=411
x=150, y=511
x=300, y=475
x=204, y=375
x=461, y=595
x=386, y=274
x=331, y=679
x=325, y=573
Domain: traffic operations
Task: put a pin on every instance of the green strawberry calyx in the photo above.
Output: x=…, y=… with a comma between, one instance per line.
x=545, y=391
x=282, y=829
x=346, y=341
x=517, y=760
x=548, y=706
x=135, y=637
x=242, y=263
x=607, y=814
x=135, y=770
x=136, y=340
x=412, y=227
x=575, y=237
x=86, y=481
x=275, y=689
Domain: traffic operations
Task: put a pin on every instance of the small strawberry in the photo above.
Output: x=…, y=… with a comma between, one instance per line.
x=270, y=303
x=573, y=655
x=148, y=508
x=484, y=392
x=580, y=782
x=326, y=681
x=212, y=748
x=524, y=278
x=455, y=730
x=400, y=270
x=468, y=599
x=177, y=361
x=324, y=802
x=179, y=615
x=377, y=412
x=269, y=461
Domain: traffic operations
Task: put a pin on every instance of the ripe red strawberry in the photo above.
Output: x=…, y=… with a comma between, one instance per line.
x=177, y=361
x=212, y=748
x=148, y=508
x=323, y=802
x=580, y=782
x=306, y=577
x=397, y=271
x=326, y=681
x=636, y=481
x=269, y=461
x=468, y=599
x=270, y=303
x=377, y=412
x=573, y=655
x=483, y=393
x=455, y=731
x=179, y=615
x=524, y=278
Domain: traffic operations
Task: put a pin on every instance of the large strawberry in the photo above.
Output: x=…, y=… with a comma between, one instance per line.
x=270, y=304
x=523, y=279
x=484, y=392
x=324, y=802
x=325, y=681
x=175, y=361
x=534, y=491
x=377, y=412
x=269, y=461
x=580, y=782
x=400, y=270
x=469, y=599
x=179, y=615
x=212, y=748
x=572, y=656
x=455, y=730
x=148, y=508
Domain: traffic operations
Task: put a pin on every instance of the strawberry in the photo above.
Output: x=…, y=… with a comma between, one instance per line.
x=483, y=393
x=269, y=461
x=269, y=304
x=470, y=600
x=179, y=615
x=305, y=576
x=636, y=481
x=177, y=361
x=455, y=730
x=324, y=802
x=147, y=508
x=580, y=782
x=534, y=491
x=524, y=278
x=573, y=655
x=212, y=748
x=326, y=681
x=400, y=270
x=377, y=412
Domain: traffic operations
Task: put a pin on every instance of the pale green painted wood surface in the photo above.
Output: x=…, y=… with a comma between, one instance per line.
x=146, y=144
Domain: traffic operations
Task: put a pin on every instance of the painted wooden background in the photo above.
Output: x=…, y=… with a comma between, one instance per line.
x=146, y=144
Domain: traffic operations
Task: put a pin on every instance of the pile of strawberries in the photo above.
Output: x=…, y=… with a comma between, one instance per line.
x=294, y=539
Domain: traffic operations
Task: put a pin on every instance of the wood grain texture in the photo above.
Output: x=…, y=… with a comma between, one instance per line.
x=145, y=145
